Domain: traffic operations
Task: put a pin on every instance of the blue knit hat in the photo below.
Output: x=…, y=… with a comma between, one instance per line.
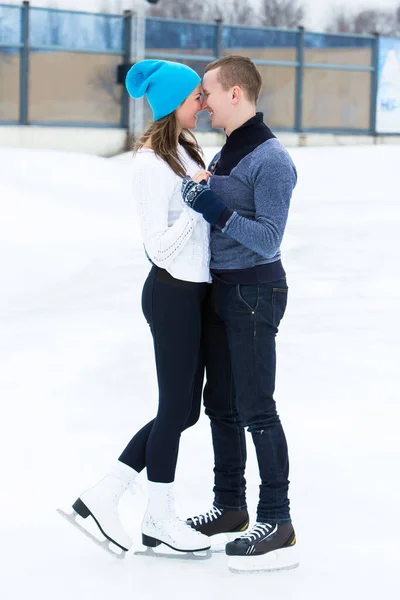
x=166, y=84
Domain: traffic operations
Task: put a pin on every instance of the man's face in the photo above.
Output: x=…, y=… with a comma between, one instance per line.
x=216, y=100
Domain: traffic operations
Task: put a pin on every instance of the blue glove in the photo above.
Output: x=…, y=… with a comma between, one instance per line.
x=199, y=197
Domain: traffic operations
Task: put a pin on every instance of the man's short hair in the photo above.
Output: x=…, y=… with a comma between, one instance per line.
x=240, y=71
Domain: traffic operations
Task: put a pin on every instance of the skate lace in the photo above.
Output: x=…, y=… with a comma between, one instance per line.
x=206, y=517
x=258, y=531
x=182, y=527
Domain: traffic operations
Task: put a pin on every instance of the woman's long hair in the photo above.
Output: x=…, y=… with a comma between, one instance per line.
x=163, y=135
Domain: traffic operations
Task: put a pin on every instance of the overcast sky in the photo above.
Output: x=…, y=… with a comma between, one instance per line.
x=317, y=10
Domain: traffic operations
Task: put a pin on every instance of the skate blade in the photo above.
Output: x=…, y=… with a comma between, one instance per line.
x=219, y=541
x=278, y=560
x=171, y=554
x=105, y=544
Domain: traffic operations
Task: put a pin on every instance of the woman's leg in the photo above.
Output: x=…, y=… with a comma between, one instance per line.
x=174, y=308
x=174, y=311
x=179, y=305
x=134, y=455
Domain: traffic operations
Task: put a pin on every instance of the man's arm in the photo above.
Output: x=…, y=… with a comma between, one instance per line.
x=274, y=178
x=274, y=181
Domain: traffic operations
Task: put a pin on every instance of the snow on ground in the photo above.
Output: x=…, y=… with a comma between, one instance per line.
x=77, y=380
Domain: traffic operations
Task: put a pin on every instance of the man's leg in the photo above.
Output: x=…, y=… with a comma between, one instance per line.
x=251, y=314
x=229, y=513
x=219, y=400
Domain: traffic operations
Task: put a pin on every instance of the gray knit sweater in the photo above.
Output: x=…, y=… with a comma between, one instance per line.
x=258, y=190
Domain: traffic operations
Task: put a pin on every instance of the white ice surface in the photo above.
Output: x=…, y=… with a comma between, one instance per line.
x=77, y=380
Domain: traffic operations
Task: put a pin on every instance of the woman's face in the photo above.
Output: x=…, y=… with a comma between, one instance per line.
x=186, y=114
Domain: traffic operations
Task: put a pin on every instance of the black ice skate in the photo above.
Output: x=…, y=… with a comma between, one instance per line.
x=266, y=547
x=221, y=525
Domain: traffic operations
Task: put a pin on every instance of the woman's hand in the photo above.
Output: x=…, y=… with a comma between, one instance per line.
x=202, y=175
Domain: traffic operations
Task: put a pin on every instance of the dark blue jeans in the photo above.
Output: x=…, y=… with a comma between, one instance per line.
x=240, y=323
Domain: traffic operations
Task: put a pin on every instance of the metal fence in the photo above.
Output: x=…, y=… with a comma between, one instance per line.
x=59, y=68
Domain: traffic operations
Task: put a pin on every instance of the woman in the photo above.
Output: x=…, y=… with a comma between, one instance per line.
x=176, y=240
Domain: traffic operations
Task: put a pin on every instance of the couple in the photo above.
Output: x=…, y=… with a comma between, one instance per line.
x=214, y=299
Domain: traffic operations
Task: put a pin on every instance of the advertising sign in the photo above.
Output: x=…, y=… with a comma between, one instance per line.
x=388, y=100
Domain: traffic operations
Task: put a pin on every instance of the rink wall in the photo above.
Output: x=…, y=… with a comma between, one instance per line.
x=89, y=140
x=80, y=88
x=108, y=142
x=61, y=68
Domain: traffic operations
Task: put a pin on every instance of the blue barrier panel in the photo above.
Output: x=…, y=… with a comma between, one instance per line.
x=250, y=37
x=324, y=40
x=68, y=30
x=177, y=35
x=10, y=27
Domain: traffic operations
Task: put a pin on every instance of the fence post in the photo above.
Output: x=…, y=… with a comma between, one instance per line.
x=24, y=65
x=218, y=38
x=374, y=84
x=299, y=81
x=138, y=53
x=126, y=46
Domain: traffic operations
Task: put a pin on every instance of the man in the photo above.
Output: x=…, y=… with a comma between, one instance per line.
x=246, y=202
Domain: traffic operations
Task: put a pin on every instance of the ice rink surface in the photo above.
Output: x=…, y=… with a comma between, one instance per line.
x=77, y=380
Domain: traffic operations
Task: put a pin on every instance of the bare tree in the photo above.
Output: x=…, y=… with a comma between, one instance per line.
x=113, y=7
x=281, y=13
x=234, y=12
x=382, y=21
x=196, y=10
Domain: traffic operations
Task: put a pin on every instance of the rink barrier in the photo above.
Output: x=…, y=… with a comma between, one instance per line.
x=30, y=34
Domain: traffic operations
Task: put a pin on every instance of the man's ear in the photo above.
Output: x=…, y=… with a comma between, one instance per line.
x=236, y=94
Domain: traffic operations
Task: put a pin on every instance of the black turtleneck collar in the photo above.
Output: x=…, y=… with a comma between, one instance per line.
x=241, y=142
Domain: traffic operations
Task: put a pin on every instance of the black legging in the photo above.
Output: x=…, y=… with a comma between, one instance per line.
x=173, y=310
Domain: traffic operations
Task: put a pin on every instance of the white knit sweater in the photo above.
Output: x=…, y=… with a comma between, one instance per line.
x=175, y=237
